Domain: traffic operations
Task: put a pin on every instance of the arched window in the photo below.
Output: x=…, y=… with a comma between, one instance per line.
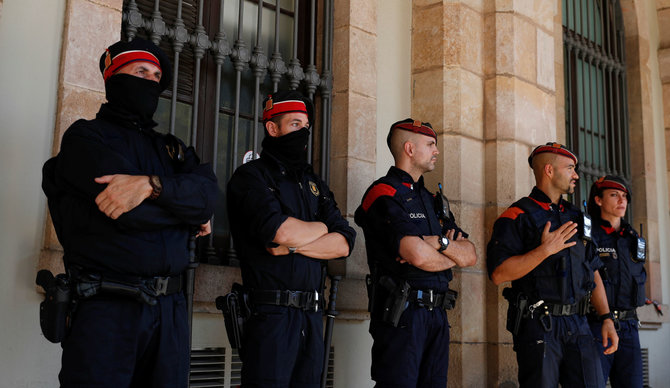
x=596, y=116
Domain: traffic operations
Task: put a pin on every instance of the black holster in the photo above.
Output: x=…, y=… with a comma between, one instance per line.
x=518, y=304
x=235, y=311
x=371, y=287
x=450, y=299
x=396, y=302
x=57, y=307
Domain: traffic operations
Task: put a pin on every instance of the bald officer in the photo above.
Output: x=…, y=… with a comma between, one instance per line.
x=410, y=255
x=542, y=245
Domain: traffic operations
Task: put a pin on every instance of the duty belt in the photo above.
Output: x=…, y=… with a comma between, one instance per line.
x=430, y=299
x=625, y=315
x=145, y=290
x=164, y=285
x=306, y=300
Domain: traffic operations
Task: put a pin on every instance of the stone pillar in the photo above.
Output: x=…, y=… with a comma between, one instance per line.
x=448, y=91
x=353, y=153
x=641, y=136
x=664, y=67
x=520, y=105
x=90, y=27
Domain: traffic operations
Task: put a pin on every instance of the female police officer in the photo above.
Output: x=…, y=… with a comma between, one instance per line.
x=622, y=252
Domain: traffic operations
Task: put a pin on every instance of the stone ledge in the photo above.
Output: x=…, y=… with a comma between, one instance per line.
x=650, y=319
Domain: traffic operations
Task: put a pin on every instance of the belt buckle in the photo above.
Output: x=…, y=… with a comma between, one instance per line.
x=431, y=298
x=160, y=285
x=565, y=309
x=293, y=298
x=316, y=301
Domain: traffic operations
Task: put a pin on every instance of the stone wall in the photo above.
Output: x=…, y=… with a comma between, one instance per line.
x=90, y=27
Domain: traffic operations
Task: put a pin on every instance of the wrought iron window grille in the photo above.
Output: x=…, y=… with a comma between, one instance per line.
x=227, y=56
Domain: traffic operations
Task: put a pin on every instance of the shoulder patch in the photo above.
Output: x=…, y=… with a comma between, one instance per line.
x=512, y=213
x=378, y=190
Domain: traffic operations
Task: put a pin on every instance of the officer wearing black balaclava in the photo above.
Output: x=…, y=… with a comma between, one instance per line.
x=123, y=199
x=285, y=224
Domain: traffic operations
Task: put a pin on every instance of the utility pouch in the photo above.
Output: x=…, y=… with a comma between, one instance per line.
x=518, y=303
x=56, y=309
x=235, y=312
x=396, y=303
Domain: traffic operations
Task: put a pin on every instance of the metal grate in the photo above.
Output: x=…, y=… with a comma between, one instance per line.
x=330, y=378
x=227, y=56
x=596, y=115
x=235, y=370
x=208, y=367
x=645, y=368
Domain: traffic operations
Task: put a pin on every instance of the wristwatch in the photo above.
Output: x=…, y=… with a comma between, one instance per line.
x=292, y=249
x=605, y=316
x=156, y=186
x=444, y=243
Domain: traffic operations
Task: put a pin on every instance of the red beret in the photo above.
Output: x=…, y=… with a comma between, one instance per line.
x=286, y=101
x=611, y=182
x=411, y=125
x=554, y=148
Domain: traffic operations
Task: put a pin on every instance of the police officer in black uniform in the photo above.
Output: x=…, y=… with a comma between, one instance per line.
x=410, y=255
x=123, y=199
x=285, y=223
x=623, y=252
x=541, y=244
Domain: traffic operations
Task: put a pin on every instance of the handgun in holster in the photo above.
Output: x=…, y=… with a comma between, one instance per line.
x=56, y=309
x=518, y=303
x=450, y=299
x=371, y=287
x=235, y=313
x=396, y=301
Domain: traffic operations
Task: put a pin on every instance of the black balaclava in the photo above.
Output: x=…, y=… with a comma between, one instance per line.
x=135, y=96
x=290, y=149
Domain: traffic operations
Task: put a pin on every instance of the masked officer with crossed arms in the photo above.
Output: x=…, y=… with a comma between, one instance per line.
x=285, y=223
x=623, y=252
x=540, y=244
x=123, y=198
x=410, y=257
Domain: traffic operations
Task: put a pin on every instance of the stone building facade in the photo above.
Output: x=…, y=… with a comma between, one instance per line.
x=488, y=74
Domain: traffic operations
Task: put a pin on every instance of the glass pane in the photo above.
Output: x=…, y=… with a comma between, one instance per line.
x=182, y=121
x=224, y=164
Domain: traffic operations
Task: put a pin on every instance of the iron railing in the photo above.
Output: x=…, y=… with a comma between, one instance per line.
x=596, y=118
x=189, y=30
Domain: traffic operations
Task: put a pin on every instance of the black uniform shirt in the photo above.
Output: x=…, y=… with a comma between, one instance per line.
x=623, y=277
x=394, y=207
x=564, y=277
x=149, y=240
x=262, y=194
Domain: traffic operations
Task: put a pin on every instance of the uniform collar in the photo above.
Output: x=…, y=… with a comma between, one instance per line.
x=267, y=156
x=119, y=116
x=406, y=179
x=539, y=197
x=607, y=226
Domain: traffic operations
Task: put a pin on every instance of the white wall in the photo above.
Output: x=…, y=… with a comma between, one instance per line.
x=351, y=339
x=657, y=340
x=394, y=72
x=30, y=40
